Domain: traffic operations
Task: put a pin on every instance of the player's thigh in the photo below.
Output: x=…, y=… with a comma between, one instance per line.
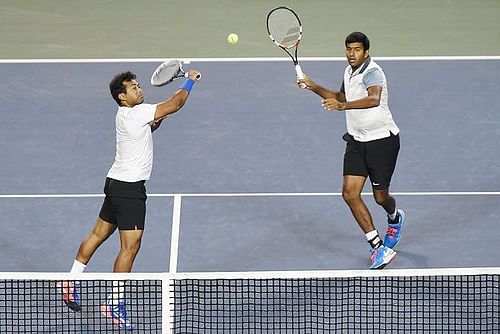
x=103, y=229
x=381, y=158
x=107, y=214
x=106, y=221
x=130, y=213
x=354, y=158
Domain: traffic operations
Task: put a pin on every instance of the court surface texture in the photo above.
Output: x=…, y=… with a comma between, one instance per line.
x=252, y=165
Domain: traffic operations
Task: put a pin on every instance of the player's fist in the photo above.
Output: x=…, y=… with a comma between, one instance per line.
x=194, y=75
x=305, y=82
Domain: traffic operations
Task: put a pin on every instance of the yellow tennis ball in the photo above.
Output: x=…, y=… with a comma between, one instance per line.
x=232, y=38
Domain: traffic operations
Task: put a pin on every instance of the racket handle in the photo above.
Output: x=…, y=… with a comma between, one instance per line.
x=299, y=72
x=300, y=75
x=198, y=77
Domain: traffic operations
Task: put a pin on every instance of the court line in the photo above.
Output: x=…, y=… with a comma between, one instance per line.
x=174, y=242
x=250, y=59
x=260, y=194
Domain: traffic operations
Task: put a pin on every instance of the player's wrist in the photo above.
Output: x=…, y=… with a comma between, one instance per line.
x=187, y=85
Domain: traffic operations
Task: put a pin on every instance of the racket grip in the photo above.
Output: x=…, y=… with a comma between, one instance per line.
x=300, y=75
x=299, y=72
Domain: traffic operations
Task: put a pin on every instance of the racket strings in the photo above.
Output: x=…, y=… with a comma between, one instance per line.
x=284, y=27
x=166, y=72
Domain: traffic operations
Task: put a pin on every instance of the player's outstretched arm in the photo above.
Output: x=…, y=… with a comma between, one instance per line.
x=175, y=102
x=320, y=90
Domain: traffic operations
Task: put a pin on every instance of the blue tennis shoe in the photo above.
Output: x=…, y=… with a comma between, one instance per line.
x=393, y=234
x=71, y=295
x=381, y=257
x=117, y=314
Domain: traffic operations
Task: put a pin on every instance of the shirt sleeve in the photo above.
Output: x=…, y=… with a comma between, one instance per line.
x=373, y=77
x=144, y=113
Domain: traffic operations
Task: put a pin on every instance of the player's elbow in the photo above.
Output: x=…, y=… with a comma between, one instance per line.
x=374, y=102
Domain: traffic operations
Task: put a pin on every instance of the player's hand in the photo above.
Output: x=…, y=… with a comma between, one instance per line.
x=332, y=104
x=305, y=82
x=194, y=75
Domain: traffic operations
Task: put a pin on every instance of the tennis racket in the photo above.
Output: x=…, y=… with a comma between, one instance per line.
x=285, y=30
x=168, y=71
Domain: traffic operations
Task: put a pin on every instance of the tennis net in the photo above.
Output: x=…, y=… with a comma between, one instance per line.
x=33, y=302
x=386, y=301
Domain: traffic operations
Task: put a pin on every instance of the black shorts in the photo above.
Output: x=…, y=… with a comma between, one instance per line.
x=375, y=159
x=124, y=204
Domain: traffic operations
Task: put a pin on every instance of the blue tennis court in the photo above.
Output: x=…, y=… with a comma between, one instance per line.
x=255, y=163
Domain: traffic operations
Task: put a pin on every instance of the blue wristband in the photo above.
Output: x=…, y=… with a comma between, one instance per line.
x=188, y=84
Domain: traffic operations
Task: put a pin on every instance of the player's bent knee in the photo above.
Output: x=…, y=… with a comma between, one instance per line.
x=350, y=196
x=130, y=241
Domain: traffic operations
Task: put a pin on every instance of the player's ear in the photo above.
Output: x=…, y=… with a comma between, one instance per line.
x=121, y=96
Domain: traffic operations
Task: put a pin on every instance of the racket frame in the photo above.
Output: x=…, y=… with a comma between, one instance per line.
x=294, y=56
x=180, y=72
x=286, y=47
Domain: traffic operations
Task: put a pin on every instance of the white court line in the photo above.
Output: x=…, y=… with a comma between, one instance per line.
x=442, y=193
x=263, y=194
x=249, y=59
x=174, y=243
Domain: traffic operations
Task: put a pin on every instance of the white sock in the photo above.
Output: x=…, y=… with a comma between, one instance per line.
x=373, y=239
x=77, y=267
x=117, y=293
x=372, y=234
x=393, y=215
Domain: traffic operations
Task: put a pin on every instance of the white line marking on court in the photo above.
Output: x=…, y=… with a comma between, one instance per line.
x=266, y=194
x=167, y=288
x=174, y=243
x=250, y=59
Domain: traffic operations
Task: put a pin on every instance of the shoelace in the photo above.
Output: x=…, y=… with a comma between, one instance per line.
x=391, y=231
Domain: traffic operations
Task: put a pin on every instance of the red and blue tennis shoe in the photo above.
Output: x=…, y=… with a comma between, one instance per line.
x=71, y=295
x=393, y=234
x=381, y=257
x=118, y=314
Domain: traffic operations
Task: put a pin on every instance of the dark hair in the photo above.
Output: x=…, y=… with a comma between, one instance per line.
x=116, y=86
x=358, y=37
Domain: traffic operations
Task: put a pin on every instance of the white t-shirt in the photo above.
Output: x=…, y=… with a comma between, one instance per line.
x=134, y=143
x=371, y=123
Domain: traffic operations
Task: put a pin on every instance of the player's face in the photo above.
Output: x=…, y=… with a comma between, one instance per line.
x=133, y=93
x=356, y=54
